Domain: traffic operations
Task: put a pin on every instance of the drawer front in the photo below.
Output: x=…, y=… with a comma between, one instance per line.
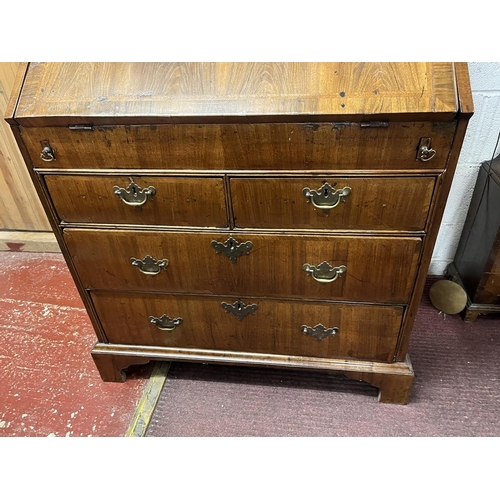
x=269, y=326
x=376, y=269
x=244, y=146
x=377, y=203
x=170, y=201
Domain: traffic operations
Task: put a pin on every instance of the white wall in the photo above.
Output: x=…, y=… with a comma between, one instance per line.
x=479, y=144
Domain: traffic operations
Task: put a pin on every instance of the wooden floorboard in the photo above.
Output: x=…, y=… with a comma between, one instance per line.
x=28, y=241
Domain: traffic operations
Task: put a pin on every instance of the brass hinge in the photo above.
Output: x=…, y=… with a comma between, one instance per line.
x=81, y=127
x=374, y=124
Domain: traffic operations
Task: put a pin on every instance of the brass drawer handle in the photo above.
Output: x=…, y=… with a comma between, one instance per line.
x=165, y=323
x=133, y=195
x=319, y=332
x=231, y=248
x=149, y=265
x=324, y=272
x=326, y=197
x=239, y=309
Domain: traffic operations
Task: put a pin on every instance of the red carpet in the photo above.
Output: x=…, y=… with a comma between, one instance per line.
x=456, y=392
x=49, y=383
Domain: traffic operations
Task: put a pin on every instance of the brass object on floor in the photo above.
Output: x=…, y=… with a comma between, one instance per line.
x=448, y=297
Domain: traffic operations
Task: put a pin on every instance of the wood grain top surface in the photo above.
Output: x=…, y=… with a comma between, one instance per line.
x=66, y=93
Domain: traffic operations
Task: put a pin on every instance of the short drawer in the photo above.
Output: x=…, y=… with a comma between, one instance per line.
x=367, y=269
x=251, y=325
x=376, y=203
x=170, y=201
x=253, y=146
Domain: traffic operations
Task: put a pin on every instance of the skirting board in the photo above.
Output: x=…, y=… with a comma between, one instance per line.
x=25, y=241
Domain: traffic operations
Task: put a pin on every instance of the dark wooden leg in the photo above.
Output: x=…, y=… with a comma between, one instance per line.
x=393, y=387
x=111, y=366
x=470, y=315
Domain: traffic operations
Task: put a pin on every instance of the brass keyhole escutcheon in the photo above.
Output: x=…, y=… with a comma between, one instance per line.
x=231, y=248
x=319, y=332
x=239, y=309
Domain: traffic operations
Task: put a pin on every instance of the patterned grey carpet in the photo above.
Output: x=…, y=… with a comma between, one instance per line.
x=456, y=392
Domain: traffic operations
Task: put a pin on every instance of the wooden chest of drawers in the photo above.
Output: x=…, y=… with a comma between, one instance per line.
x=279, y=214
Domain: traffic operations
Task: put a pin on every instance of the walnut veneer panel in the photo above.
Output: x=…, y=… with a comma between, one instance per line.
x=365, y=332
x=65, y=93
x=379, y=269
x=321, y=146
x=177, y=201
x=375, y=203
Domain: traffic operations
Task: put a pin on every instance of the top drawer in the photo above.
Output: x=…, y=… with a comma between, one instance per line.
x=143, y=200
x=259, y=146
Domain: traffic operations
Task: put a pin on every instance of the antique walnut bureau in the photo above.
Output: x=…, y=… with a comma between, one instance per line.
x=277, y=214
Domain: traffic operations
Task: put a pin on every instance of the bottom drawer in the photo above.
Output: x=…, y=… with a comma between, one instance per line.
x=251, y=325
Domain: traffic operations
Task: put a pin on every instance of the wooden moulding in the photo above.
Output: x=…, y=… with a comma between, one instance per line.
x=16, y=93
x=464, y=90
x=393, y=380
x=443, y=186
x=27, y=241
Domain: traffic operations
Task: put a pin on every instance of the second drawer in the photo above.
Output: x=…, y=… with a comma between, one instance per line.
x=351, y=268
x=353, y=203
